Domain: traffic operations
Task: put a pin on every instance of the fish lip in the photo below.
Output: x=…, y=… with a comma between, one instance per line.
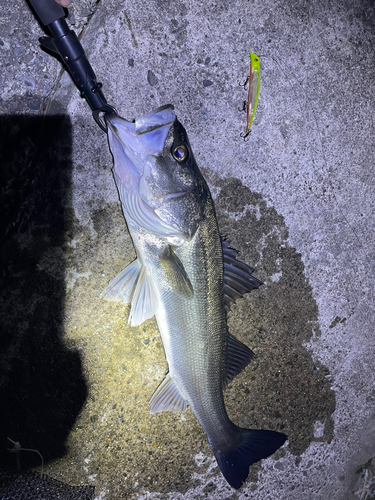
x=113, y=114
x=110, y=118
x=139, y=124
x=161, y=108
x=142, y=123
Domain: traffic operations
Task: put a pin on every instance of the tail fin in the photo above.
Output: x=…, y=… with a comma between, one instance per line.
x=254, y=445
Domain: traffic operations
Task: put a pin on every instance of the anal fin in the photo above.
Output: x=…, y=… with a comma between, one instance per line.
x=167, y=397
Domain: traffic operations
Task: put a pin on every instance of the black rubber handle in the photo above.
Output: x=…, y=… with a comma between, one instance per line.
x=47, y=11
x=65, y=44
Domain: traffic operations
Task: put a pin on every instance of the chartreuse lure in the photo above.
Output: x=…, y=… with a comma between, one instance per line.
x=254, y=86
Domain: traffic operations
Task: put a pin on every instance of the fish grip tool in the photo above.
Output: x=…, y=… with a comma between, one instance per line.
x=64, y=42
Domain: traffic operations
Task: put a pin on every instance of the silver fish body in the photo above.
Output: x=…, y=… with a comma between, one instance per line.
x=186, y=276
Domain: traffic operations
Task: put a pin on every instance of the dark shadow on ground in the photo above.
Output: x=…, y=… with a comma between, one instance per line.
x=42, y=387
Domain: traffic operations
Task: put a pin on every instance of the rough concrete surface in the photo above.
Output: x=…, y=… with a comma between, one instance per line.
x=296, y=199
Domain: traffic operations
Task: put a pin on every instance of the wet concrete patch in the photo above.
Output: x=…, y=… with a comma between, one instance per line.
x=283, y=389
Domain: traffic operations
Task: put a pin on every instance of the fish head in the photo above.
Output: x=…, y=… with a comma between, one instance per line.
x=160, y=185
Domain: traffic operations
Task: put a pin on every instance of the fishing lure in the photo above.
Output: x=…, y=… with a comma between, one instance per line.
x=254, y=86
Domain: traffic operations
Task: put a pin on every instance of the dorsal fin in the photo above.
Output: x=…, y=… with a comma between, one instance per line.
x=238, y=278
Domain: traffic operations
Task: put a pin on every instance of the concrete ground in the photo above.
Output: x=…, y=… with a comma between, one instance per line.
x=296, y=199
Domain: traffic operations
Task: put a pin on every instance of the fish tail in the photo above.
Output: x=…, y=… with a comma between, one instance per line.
x=250, y=447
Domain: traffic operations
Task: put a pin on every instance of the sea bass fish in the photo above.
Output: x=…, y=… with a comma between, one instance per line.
x=186, y=276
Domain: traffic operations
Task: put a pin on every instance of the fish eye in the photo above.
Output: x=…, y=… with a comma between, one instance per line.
x=180, y=153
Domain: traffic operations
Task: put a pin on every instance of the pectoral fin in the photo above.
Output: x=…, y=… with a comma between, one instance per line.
x=144, y=300
x=167, y=397
x=133, y=285
x=121, y=287
x=175, y=274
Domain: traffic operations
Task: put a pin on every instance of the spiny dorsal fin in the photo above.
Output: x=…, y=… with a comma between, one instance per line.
x=133, y=285
x=238, y=357
x=238, y=278
x=167, y=397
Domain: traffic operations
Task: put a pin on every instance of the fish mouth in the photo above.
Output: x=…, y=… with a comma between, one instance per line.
x=155, y=119
x=146, y=135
